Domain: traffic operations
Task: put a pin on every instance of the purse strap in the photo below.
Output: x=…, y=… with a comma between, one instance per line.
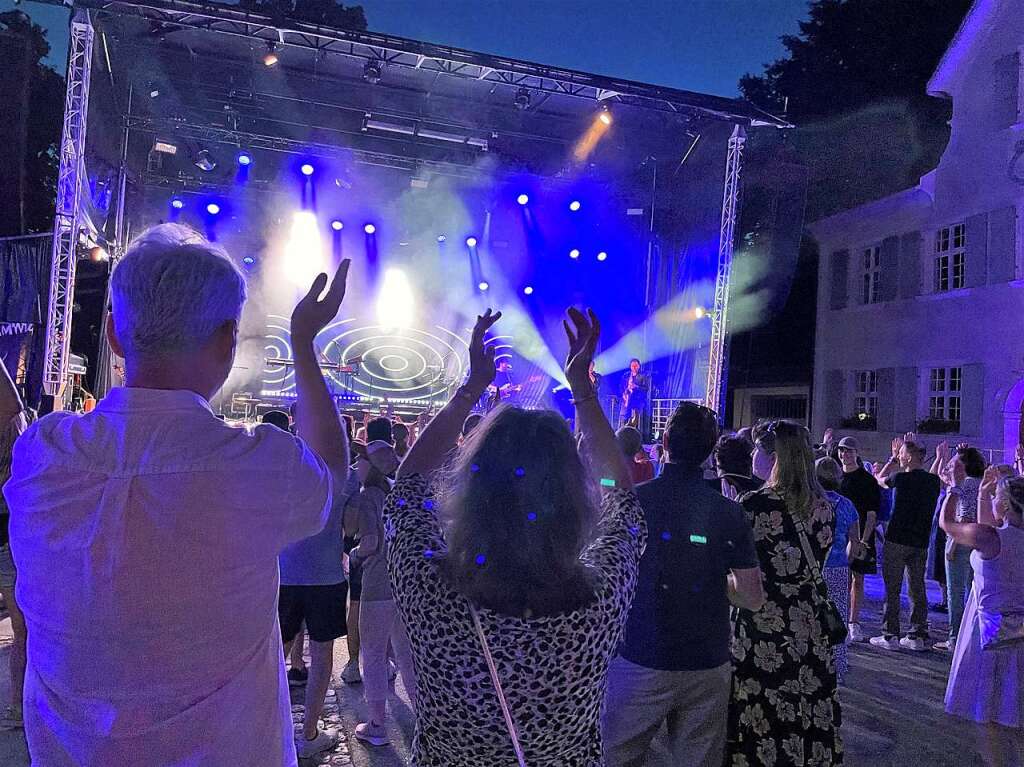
x=509, y=724
x=809, y=556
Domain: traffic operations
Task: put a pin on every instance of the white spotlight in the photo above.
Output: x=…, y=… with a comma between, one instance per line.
x=483, y=285
x=304, y=252
x=395, y=300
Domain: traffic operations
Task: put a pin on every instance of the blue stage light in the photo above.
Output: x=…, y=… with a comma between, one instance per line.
x=441, y=238
x=336, y=225
x=471, y=241
x=574, y=253
x=369, y=229
x=177, y=203
x=602, y=256
x=244, y=158
x=528, y=290
x=307, y=169
x=522, y=199
x=248, y=260
x=574, y=205
x=483, y=286
x=213, y=208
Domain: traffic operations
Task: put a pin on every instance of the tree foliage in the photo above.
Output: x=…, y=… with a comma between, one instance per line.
x=854, y=84
x=324, y=12
x=43, y=124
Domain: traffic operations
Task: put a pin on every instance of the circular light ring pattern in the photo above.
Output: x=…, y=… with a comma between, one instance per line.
x=418, y=350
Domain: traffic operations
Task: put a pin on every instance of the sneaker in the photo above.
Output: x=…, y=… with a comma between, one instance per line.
x=11, y=719
x=297, y=677
x=944, y=646
x=913, y=643
x=372, y=733
x=856, y=632
x=325, y=740
x=350, y=674
x=886, y=642
x=940, y=607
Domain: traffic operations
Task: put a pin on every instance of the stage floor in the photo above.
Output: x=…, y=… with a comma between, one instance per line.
x=892, y=709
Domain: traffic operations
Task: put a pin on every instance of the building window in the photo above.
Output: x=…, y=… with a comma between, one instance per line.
x=950, y=252
x=866, y=401
x=944, y=394
x=871, y=274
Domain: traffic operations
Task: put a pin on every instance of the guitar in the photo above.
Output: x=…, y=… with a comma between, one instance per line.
x=497, y=393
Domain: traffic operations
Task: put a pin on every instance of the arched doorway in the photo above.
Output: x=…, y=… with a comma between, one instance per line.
x=1013, y=421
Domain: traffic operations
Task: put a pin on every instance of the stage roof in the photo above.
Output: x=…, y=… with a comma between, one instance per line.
x=431, y=103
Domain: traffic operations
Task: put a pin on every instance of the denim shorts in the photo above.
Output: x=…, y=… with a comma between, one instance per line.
x=7, y=571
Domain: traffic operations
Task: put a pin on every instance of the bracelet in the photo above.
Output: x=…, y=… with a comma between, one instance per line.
x=581, y=400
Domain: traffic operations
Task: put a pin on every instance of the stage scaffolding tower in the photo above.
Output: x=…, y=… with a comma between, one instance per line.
x=65, y=224
x=714, y=394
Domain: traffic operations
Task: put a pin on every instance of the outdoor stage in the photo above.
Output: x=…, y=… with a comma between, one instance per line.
x=454, y=180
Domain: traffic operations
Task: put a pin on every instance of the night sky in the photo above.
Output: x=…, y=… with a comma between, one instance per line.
x=699, y=45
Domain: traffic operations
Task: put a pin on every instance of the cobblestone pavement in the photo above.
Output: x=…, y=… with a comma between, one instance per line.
x=892, y=710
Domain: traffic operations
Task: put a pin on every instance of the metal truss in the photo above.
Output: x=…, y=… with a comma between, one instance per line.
x=253, y=141
x=409, y=54
x=715, y=390
x=65, y=224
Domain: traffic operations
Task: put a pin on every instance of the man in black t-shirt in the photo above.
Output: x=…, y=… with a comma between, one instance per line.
x=862, y=489
x=906, y=543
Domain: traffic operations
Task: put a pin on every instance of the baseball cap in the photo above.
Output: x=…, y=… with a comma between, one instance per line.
x=848, y=442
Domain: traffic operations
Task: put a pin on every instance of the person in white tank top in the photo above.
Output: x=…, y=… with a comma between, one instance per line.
x=986, y=685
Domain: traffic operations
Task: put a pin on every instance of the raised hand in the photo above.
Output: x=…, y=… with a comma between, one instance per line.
x=897, y=443
x=481, y=356
x=828, y=436
x=583, y=336
x=312, y=313
x=990, y=480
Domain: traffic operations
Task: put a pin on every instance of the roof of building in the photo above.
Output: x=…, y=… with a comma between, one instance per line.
x=918, y=196
x=978, y=20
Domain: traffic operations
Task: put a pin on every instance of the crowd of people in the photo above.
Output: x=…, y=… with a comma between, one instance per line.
x=550, y=595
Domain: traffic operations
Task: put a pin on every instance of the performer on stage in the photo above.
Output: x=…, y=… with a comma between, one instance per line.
x=504, y=388
x=635, y=387
x=595, y=380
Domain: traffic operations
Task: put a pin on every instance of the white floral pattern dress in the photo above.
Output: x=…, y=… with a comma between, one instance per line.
x=784, y=708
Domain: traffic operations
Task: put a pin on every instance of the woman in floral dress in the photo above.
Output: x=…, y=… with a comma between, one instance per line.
x=784, y=708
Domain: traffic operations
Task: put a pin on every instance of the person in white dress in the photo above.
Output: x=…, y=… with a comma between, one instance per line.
x=986, y=682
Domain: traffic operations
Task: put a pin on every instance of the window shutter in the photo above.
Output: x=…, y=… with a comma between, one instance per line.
x=886, y=385
x=910, y=265
x=1006, y=90
x=906, y=399
x=972, y=399
x=840, y=266
x=1002, y=245
x=889, y=263
x=977, y=250
x=834, y=405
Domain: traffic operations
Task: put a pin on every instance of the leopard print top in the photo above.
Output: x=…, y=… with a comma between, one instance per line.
x=553, y=669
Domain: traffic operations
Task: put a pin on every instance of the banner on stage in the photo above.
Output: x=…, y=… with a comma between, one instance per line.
x=16, y=328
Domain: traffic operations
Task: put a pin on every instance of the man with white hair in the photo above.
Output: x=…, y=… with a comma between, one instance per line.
x=146, y=533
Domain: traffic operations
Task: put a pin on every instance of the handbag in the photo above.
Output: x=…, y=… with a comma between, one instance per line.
x=832, y=622
x=506, y=712
x=999, y=630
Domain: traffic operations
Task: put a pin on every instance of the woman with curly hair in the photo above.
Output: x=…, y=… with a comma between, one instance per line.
x=784, y=707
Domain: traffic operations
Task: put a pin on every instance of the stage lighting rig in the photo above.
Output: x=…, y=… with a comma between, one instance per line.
x=270, y=57
x=372, y=72
x=204, y=161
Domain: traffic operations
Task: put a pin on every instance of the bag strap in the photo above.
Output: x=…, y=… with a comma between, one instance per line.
x=809, y=555
x=497, y=688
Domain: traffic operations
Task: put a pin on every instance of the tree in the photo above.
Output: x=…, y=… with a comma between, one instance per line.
x=43, y=116
x=324, y=12
x=854, y=84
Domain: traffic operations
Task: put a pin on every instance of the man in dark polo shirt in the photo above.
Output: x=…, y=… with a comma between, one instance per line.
x=863, y=491
x=673, y=668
